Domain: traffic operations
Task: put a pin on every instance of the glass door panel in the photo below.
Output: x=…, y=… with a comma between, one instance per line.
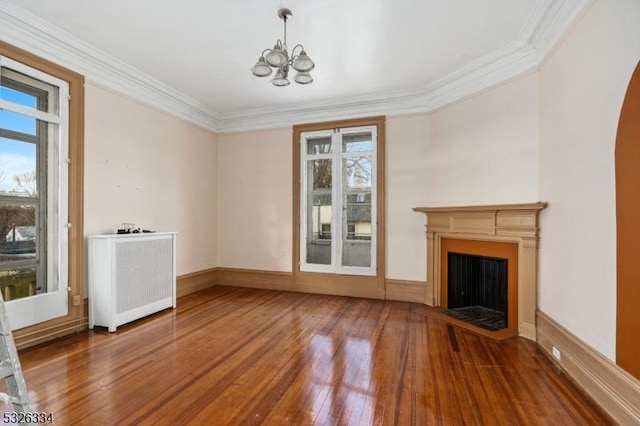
x=319, y=212
x=18, y=165
x=357, y=142
x=356, y=220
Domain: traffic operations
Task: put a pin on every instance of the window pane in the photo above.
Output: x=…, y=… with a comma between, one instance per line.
x=18, y=283
x=320, y=174
x=18, y=168
x=18, y=97
x=356, y=235
x=319, y=215
x=357, y=142
x=317, y=146
x=357, y=172
x=15, y=122
x=17, y=233
x=356, y=225
x=28, y=91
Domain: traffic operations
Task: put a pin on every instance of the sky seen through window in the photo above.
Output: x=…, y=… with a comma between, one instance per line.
x=16, y=157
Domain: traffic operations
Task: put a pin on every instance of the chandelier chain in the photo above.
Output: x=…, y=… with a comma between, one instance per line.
x=285, y=32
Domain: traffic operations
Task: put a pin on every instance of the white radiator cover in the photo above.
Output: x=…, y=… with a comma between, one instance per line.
x=130, y=276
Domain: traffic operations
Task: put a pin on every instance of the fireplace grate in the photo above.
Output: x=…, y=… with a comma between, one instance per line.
x=479, y=316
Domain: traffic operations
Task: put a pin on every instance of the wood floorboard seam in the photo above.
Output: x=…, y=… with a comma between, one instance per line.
x=233, y=355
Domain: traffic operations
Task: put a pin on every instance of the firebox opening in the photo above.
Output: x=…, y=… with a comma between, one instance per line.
x=477, y=290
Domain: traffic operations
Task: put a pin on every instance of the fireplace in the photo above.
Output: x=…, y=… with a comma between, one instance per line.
x=501, y=232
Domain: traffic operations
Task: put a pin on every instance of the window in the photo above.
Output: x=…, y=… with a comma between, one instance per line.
x=338, y=192
x=33, y=192
x=338, y=200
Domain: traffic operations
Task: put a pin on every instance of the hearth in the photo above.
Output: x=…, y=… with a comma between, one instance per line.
x=479, y=316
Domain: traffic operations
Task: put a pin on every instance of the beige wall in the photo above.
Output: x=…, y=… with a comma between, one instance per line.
x=480, y=151
x=149, y=168
x=582, y=87
x=254, y=173
x=254, y=198
x=407, y=146
x=485, y=150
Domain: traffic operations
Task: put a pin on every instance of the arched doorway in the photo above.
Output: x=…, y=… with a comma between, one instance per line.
x=628, y=230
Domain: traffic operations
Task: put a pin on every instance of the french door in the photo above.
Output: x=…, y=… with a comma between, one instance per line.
x=33, y=193
x=338, y=201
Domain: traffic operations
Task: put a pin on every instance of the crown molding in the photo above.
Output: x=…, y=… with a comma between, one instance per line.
x=545, y=26
x=35, y=35
x=558, y=18
x=485, y=72
x=547, y=23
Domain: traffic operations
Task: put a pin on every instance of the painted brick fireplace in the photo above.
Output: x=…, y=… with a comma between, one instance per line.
x=481, y=230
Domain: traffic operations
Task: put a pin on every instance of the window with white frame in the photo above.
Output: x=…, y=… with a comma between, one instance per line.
x=33, y=190
x=338, y=201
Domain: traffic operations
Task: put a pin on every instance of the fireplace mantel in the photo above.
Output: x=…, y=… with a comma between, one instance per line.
x=515, y=223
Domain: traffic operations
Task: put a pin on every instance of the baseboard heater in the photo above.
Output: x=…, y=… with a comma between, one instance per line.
x=130, y=276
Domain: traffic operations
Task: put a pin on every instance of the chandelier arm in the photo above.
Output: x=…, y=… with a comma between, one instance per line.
x=293, y=51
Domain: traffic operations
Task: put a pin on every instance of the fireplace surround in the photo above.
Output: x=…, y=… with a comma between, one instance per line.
x=508, y=223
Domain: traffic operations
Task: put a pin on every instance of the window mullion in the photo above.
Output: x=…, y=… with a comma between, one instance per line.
x=13, y=199
x=30, y=112
x=337, y=203
x=374, y=199
x=22, y=137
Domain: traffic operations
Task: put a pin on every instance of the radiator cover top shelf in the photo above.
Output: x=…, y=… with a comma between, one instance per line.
x=130, y=276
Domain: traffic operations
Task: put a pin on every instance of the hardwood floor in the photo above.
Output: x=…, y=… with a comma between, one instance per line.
x=241, y=356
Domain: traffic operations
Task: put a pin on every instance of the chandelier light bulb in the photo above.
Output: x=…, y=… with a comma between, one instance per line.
x=279, y=58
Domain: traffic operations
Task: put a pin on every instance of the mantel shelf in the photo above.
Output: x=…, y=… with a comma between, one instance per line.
x=490, y=208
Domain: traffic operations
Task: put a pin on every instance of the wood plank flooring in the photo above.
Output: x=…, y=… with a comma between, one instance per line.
x=241, y=356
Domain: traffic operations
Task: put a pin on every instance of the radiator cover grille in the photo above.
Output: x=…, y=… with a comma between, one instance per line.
x=144, y=272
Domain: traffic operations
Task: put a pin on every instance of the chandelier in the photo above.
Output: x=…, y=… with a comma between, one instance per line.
x=278, y=58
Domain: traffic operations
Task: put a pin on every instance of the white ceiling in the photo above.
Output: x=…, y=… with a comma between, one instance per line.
x=370, y=55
